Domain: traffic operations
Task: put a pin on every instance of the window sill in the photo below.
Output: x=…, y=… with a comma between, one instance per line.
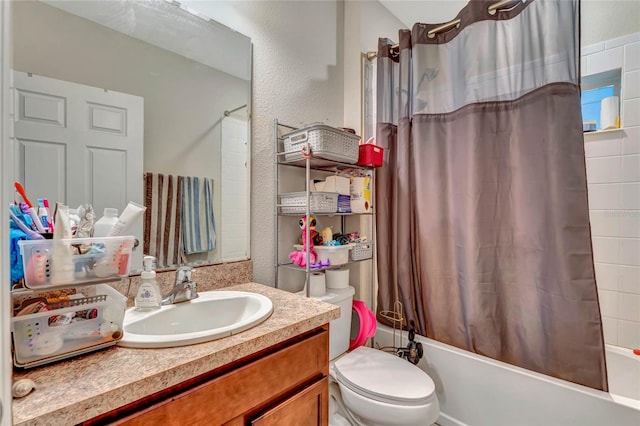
x=599, y=132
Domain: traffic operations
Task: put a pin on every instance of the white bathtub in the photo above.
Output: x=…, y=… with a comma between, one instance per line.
x=476, y=390
x=623, y=371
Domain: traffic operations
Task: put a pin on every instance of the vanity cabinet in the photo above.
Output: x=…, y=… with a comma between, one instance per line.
x=286, y=384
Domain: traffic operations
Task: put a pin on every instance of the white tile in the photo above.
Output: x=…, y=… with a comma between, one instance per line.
x=621, y=41
x=629, y=307
x=583, y=65
x=604, y=196
x=631, y=112
x=632, y=57
x=604, y=61
x=605, y=250
x=629, y=334
x=630, y=196
x=631, y=140
x=607, y=276
x=608, y=303
x=592, y=48
x=604, y=170
x=631, y=85
x=629, y=223
x=629, y=251
x=610, y=330
x=603, y=145
x=629, y=279
x=631, y=168
x=604, y=223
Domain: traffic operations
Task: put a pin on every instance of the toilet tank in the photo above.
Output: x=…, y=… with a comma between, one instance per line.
x=340, y=328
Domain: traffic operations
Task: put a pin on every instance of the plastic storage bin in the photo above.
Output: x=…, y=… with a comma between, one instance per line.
x=370, y=155
x=361, y=251
x=325, y=142
x=320, y=202
x=80, y=325
x=55, y=263
x=335, y=255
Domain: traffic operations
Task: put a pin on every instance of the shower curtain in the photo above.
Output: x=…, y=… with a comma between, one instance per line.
x=482, y=215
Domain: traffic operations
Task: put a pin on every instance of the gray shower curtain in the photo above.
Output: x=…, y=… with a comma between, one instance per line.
x=482, y=220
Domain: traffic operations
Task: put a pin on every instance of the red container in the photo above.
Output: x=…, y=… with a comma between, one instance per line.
x=370, y=155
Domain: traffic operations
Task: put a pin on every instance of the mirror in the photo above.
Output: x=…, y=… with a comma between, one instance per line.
x=192, y=77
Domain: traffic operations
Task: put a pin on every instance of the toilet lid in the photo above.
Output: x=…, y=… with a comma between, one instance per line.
x=384, y=377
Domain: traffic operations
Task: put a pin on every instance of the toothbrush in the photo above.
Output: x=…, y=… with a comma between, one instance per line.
x=22, y=193
x=31, y=234
x=32, y=214
x=45, y=201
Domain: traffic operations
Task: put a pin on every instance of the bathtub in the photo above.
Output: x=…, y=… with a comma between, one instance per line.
x=476, y=390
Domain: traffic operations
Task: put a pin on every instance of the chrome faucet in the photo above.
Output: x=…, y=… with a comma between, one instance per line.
x=184, y=289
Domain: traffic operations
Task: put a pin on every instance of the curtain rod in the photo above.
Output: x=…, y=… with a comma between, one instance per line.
x=492, y=10
x=228, y=113
x=371, y=55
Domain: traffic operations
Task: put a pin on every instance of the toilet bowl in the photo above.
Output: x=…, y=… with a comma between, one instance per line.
x=369, y=387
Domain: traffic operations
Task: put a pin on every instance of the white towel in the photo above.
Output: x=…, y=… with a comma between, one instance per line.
x=198, y=221
x=163, y=218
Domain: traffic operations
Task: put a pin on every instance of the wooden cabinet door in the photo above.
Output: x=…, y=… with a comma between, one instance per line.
x=309, y=407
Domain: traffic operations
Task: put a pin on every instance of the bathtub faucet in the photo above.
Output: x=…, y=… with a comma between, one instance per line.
x=413, y=351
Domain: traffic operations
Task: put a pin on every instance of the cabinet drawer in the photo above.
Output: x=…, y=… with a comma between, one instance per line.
x=243, y=390
x=309, y=407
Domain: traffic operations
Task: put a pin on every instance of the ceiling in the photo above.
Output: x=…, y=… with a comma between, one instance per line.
x=425, y=11
x=172, y=26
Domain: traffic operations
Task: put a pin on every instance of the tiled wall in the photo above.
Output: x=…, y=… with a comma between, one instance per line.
x=613, y=175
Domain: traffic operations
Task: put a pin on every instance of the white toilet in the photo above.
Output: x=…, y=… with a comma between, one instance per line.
x=372, y=387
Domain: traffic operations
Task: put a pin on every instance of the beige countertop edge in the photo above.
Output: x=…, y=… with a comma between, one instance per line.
x=81, y=388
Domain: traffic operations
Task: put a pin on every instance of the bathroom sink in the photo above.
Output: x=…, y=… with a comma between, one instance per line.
x=213, y=315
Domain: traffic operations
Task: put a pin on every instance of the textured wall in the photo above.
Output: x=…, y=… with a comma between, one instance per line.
x=297, y=78
x=606, y=19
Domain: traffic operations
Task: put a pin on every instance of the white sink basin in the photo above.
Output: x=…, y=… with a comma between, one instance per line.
x=213, y=315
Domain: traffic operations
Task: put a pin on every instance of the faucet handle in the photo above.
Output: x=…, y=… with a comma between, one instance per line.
x=183, y=274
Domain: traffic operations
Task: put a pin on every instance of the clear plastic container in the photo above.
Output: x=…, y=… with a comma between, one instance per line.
x=75, y=261
x=102, y=227
x=80, y=326
x=334, y=255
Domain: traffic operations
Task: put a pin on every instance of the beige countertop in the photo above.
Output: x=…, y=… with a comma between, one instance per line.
x=81, y=388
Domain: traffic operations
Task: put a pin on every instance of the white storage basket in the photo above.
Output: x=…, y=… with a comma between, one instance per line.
x=104, y=259
x=320, y=202
x=334, y=255
x=325, y=142
x=75, y=326
x=361, y=251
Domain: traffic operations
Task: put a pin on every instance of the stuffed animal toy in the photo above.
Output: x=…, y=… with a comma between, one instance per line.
x=300, y=257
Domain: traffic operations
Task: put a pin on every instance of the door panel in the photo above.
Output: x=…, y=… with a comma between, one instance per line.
x=42, y=166
x=41, y=108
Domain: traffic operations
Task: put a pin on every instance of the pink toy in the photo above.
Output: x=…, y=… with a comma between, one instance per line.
x=300, y=257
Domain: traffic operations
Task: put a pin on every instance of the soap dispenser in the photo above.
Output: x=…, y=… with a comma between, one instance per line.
x=148, y=297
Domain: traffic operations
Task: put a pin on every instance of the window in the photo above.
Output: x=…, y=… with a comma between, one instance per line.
x=595, y=88
x=590, y=101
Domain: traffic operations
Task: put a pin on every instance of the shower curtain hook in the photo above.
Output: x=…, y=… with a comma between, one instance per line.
x=493, y=9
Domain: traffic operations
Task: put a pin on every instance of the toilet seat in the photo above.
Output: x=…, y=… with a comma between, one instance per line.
x=384, y=377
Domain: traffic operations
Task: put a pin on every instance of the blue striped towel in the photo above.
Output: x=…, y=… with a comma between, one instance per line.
x=198, y=221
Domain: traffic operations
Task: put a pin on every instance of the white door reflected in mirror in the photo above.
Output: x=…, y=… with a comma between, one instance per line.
x=188, y=70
